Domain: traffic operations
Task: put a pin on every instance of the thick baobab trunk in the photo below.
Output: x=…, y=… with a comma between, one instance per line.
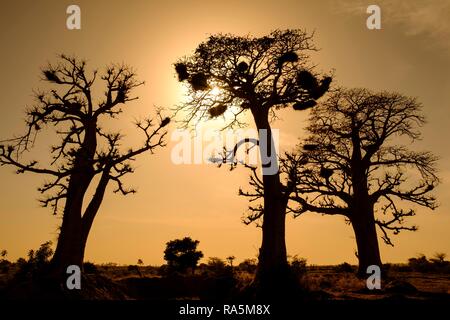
x=273, y=277
x=70, y=250
x=367, y=241
x=76, y=227
x=273, y=273
x=362, y=217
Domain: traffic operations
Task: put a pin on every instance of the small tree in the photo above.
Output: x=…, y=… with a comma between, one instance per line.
x=4, y=263
x=85, y=150
x=182, y=254
x=42, y=255
x=230, y=260
x=38, y=261
x=298, y=265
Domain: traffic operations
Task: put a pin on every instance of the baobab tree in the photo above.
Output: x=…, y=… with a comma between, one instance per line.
x=355, y=163
x=85, y=150
x=230, y=75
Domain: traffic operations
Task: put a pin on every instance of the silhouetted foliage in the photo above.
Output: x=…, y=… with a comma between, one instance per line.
x=4, y=263
x=349, y=166
x=216, y=262
x=182, y=72
x=37, y=263
x=90, y=268
x=135, y=269
x=420, y=263
x=260, y=75
x=182, y=254
x=219, y=110
x=217, y=266
x=344, y=267
x=298, y=265
x=230, y=260
x=86, y=150
x=248, y=265
x=436, y=264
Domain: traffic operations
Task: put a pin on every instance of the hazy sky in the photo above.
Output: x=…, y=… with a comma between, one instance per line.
x=411, y=55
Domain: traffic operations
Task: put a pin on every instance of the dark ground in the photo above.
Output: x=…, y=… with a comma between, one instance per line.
x=223, y=283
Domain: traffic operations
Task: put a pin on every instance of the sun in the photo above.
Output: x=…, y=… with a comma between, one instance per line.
x=215, y=92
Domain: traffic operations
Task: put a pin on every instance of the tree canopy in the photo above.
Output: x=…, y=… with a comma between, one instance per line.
x=250, y=73
x=182, y=254
x=358, y=134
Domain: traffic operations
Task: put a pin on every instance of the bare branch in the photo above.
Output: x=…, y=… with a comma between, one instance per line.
x=84, y=149
x=254, y=74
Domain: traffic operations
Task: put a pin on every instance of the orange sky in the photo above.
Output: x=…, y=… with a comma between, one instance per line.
x=411, y=55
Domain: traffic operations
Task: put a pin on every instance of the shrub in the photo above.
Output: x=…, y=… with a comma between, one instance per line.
x=163, y=270
x=182, y=254
x=344, y=267
x=135, y=269
x=4, y=264
x=436, y=264
x=90, y=268
x=439, y=260
x=230, y=260
x=298, y=265
x=216, y=267
x=248, y=265
x=38, y=261
x=386, y=267
x=440, y=264
x=420, y=264
x=216, y=263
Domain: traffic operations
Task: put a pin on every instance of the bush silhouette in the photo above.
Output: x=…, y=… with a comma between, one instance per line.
x=344, y=267
x=135, y=269
x=182, y=254
x=4, y=263
x=37, y=263
x=248, y=265
x=298, y=265
x=420, y=264
x=90, y=268
x=436, y=264
x=216, y=267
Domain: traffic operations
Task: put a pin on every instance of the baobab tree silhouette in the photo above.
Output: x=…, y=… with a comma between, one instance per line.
x=85, y=150
x=260, y=75
x=350, y=165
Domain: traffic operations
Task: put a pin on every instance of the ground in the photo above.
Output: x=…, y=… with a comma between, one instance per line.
x=345, y=285
x=223, y=283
